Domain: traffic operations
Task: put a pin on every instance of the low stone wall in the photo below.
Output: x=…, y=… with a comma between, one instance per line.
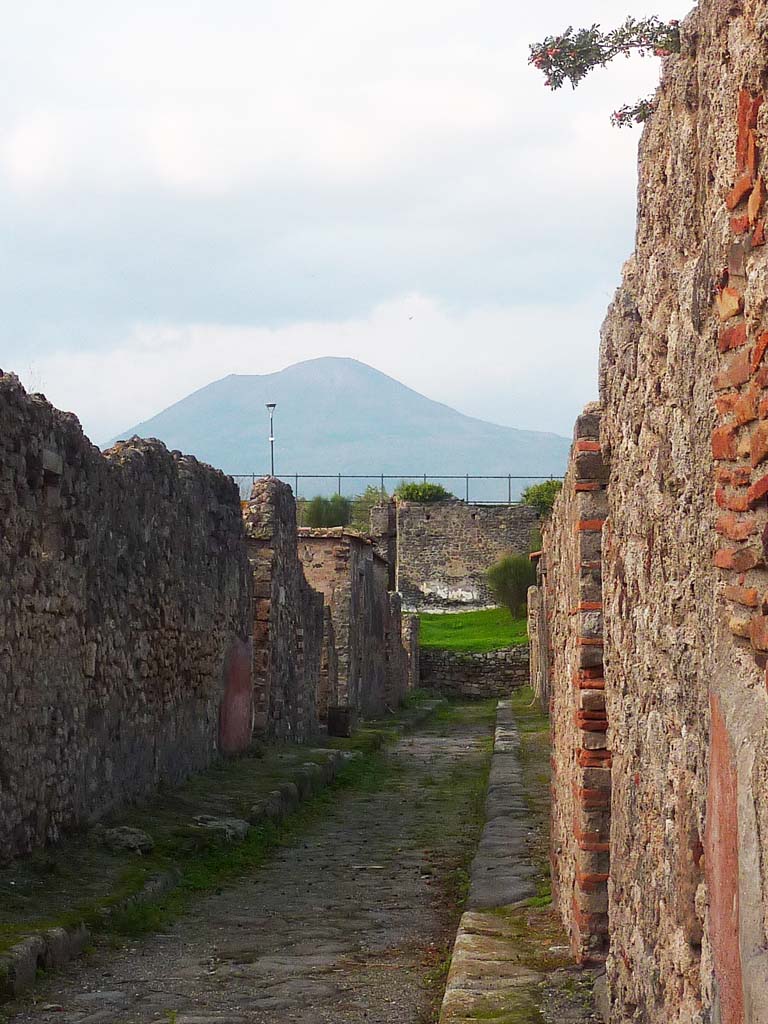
x=443, y=549
x=493, y=674
x=124, y=621
x=291, y=648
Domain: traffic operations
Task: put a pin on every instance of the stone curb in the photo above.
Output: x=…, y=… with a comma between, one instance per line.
x=501, y=876
x=55, y=947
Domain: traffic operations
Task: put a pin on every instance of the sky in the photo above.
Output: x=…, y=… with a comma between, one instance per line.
x=190, y=189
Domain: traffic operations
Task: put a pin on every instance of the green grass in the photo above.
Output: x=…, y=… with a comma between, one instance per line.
x=472, y=632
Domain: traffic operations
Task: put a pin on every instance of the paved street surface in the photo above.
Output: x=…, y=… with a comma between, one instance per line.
x=344, y=926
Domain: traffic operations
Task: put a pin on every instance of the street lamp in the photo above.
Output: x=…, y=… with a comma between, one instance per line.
x=271, y=406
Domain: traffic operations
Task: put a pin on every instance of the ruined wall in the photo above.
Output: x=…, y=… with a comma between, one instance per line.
x=474, y=676
x=411, y=634
x=444, y=549
x=124, y=621
x=567, y=654
x=397, y=667
x=383, y=532
x=538, y=636
x=371, y=668
x=292, y=647
x=684, y=426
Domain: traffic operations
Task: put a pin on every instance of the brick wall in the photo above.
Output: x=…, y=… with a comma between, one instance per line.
x=567, y=655
x=124, y=621
x=474, y=676
x=292, y=644
x=444, y=549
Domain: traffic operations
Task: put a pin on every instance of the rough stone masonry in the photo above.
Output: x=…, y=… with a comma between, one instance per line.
x=439, y=552
x=684, y=436
x=148, y=624
x=124, y=620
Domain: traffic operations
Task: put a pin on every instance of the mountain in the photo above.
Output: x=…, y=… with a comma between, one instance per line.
x=341, y=416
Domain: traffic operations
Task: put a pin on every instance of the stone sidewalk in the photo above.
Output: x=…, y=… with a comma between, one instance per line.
x=347, y=925
x=510, y=963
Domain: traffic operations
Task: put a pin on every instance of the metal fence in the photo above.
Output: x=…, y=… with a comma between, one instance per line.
x=503, y=489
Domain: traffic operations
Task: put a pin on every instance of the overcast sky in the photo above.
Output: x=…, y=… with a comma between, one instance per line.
x=192, y=189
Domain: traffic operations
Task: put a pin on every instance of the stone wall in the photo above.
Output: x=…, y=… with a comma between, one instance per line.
x=444, y=549
x=683, y=385
x=474, y=676
x=567, y=655
x=124, y=621
x=682, y=378
x=411, y=632
x=292, y=644
x=365, y=616
x=383, y=532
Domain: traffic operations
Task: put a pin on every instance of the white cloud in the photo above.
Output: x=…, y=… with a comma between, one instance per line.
x=508, y=366
x=312, y=172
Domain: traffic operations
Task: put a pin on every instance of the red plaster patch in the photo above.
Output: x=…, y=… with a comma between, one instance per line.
x=236, y=711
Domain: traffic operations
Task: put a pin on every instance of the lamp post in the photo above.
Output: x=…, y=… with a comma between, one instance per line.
x=271, y=406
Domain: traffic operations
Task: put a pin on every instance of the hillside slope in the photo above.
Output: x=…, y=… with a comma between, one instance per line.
x=341, y=416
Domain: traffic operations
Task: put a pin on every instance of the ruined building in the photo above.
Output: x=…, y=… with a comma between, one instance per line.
x=650, y=624
x=438, y=552
x=149, y=625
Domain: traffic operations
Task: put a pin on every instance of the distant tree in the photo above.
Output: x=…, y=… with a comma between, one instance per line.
x=360, y=518
x=509, y=580
x=424, y=493
x=326, y=512
x=573, y=54
x=542, y=496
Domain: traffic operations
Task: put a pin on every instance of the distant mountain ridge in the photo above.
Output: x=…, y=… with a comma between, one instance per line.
x=338, y=415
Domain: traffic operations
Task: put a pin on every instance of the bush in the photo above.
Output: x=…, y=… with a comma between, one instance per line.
x=509, y=580
x=573, y=54
x=325, y=512
x=424, y=493
x=542, y=496
x=361, y=507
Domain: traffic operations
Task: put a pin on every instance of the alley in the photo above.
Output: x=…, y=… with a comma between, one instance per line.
x=350, y=924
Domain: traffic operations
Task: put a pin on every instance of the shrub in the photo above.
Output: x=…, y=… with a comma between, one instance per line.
x=325, y=512
x=542, y=496
x=423, y=493
x=509, y=580
x=573, y=54
x=361, y=507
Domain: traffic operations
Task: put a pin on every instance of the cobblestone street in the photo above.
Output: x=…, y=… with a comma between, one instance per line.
x=348, y=925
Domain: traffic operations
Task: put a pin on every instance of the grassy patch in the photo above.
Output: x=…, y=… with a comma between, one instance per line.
x=472, y=632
